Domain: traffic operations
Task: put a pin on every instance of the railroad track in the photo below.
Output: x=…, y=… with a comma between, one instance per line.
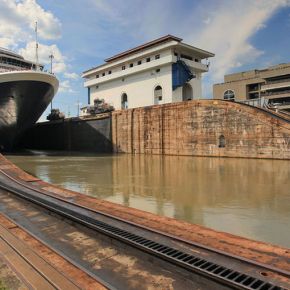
x=221, y=273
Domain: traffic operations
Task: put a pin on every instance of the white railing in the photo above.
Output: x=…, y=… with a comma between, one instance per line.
x=258, y=102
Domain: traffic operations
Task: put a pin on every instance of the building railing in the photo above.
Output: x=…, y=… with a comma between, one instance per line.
x=277, y=81
x=258, y=102
x=15, y=69
x=267, y=94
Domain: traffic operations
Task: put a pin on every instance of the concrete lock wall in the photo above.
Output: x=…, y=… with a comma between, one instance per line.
x=70, y=134
x=201, y=128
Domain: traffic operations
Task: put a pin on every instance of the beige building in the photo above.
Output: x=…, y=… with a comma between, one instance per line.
x=269, y=86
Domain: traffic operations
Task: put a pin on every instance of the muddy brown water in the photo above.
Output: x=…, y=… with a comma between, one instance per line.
x=246, y=197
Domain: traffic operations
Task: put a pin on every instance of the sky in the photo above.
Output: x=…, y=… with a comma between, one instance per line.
x=243, y=34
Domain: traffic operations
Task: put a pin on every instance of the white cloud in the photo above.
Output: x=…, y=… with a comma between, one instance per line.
x=65, y=87
x=228, y=35
x=207, y=20
x=72, y=76
x=17, y=21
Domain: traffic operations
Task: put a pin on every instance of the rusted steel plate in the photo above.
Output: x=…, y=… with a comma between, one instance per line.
x=60, y=191
x=61, y=265
x=27, y=177
x=38, y=266
x=6, y=166
x=22, y=268
x=117, y=265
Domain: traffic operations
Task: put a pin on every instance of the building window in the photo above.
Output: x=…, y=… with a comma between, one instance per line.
x=109, y=72
x=97, y=76
x=222, y=141
x=123, y=67
x=131, y=64
x=229, y=95
x=103, y=74
x=157, y=56
x=148, y=59
x=124, y=101
x=139, y=62
x=157, y=70
x=187, y=92
x=157, y=95
x=186, y=57
x=89, y=95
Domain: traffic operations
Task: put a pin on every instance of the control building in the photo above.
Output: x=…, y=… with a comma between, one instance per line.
x=271, y=84
x=162, y=71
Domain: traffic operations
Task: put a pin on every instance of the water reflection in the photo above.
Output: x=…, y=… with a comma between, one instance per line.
x=247, y=197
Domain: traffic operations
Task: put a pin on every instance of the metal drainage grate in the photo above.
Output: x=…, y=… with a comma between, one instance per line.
x=188, y=261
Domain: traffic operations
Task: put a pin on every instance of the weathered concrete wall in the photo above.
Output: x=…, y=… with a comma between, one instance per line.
x=70, y=134
x=195, y=127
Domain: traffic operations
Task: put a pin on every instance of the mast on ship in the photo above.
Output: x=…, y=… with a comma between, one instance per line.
x=36, y=48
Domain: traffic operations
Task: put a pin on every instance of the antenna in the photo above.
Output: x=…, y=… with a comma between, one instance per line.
x=51, y=56
x=36, y=47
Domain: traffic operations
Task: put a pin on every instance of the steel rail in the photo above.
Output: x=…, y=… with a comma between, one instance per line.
x=41, y=273
x=206, y=268
x=178, y=239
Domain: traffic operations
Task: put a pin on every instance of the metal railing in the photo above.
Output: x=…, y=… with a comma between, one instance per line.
x=275, y=93
x=277, y=81
x=258, y=102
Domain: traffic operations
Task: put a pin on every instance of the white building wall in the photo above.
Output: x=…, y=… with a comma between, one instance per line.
x=110, y=81
x=139, y=88
x=196, y=86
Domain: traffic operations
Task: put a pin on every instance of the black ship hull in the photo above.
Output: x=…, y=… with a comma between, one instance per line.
x=22, y=102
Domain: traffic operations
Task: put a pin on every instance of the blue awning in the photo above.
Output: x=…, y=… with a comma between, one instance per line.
x=181, y=74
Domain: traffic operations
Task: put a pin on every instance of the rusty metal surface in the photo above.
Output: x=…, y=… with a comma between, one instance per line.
x=35, y=271
x=107, y=259
x=250, y=249
x=9, y=279
x=35, y=258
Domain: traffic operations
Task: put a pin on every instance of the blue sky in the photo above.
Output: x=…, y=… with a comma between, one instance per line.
x=243, y=34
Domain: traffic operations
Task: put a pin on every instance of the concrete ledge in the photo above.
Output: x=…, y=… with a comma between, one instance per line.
x=195, y=127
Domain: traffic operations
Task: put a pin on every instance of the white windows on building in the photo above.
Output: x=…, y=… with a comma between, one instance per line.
x=124, y=101
x=229, y=95
x=151, y=67
x=157, y=95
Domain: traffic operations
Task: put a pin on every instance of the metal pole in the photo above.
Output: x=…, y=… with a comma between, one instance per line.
x=51, y=58
x=36, y=47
